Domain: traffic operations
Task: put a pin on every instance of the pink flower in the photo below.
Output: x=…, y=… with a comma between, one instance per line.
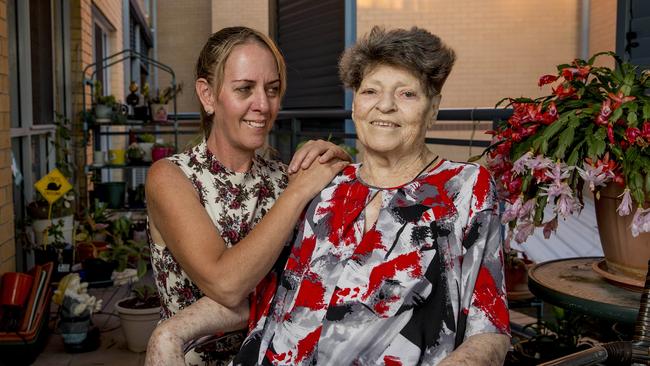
x=556, y=189
x=566, y=205
x=511, y=212
x=539, y=162
x=522, y=163
x=641, y=221
x=595, y=176
x=527, y=209
x=559, y=171
x=550, y=227
x=524, y=230
x=625, y=207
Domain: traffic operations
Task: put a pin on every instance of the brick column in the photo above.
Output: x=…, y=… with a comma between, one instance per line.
x=7, y=245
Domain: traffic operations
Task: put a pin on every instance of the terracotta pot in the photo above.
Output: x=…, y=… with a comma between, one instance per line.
x=15, y=288
x=92, y=249
x=517, y=276
x=625, y=255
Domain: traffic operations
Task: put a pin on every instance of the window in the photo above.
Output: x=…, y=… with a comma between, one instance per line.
x=32, y=93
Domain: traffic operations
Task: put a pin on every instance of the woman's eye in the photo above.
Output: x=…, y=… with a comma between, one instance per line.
x=273, y=91
x=243, y=89
x=368, y=91
x=409, y=94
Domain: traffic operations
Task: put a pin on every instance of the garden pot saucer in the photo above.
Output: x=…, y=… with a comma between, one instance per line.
x=617, y=279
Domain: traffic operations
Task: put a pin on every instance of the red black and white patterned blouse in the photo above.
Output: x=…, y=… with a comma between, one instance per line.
x=427, y=275
x=235, y=202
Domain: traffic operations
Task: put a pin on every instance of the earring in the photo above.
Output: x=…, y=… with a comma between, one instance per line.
x=209, y=112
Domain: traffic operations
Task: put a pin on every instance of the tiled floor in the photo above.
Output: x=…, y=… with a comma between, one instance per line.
x=113, y=349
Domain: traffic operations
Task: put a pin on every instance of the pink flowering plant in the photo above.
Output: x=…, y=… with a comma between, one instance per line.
x=593, y=128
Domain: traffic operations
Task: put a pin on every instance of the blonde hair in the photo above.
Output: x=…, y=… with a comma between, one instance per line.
x=212, y=61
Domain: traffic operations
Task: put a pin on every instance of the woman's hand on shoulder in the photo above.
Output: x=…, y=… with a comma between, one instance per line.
x=309, y=182
x=323, y=150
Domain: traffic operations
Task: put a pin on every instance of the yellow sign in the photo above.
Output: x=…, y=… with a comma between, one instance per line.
x=53, y=186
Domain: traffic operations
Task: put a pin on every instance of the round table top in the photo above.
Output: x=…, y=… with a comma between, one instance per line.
x=573, y=284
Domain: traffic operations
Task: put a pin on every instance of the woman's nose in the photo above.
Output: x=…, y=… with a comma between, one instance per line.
x=261, y=102
x=386, y=103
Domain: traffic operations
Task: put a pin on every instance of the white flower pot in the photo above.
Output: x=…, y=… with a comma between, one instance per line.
x=146, y=147
x=39, y=227
x=137, y=325
x=103, y=113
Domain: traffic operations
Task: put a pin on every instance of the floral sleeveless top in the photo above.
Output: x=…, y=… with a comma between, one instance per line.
x=235, y=202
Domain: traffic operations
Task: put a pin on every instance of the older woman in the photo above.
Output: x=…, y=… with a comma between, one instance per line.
x=398, y=261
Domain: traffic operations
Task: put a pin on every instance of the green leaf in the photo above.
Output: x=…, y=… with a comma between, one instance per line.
x=631, y=119
x=558, y=125
x=142, y=268
x=646, y=110
x=566, y=138
x=647, y=181
x=539, y=209
x=575, y=154
x=616, y=115
x=596, y=143
x=526, y=182
x=544, y=147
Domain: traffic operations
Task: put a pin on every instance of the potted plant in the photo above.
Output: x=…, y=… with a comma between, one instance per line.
x=515, y=267
x=135, y=154
x=91, y=238
x=161, y=150
x=137, y=197
x=104, y=104
x=139, y=315
x=146, y=141
x=159, y=102
x=112, y=193
x=550, y=339
x=43, y=217
x=594, y=130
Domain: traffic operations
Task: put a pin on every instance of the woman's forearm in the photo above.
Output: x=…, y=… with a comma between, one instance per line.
x=226, y=275
x=204, y=317
x=488, y=349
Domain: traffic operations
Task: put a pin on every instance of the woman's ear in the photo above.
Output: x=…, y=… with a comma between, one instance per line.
x=206, y=95
x=435, y=107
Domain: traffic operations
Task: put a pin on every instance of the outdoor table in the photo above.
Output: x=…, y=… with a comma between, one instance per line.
x=572, y=284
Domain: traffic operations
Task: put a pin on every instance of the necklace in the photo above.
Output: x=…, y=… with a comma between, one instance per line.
x=410, y=181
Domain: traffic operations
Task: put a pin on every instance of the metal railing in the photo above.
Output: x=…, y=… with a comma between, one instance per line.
x=290, y=124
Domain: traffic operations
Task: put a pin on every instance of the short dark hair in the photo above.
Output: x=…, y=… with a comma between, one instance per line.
x=416, y=50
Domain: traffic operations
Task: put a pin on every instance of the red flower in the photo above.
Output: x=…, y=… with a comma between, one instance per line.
x=571, y=73
x=546, y=79
x=619, y=99
x=610, y=134
x=645, y=130
x=632, y=133
x=605, y=112
x=550, y=115
x=562, y=93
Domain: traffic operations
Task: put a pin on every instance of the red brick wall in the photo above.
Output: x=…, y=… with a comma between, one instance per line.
x=7, y=246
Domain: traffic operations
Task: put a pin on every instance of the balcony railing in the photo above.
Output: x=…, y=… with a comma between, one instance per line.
x=290, y=127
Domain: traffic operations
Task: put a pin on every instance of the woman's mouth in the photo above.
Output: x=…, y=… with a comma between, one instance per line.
x=381, y=123
x=255, y=124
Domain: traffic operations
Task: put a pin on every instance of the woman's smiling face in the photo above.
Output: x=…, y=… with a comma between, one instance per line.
x=391, y=111
x=249, y=99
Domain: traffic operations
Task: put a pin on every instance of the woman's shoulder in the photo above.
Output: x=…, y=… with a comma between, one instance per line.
x=464, y=170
